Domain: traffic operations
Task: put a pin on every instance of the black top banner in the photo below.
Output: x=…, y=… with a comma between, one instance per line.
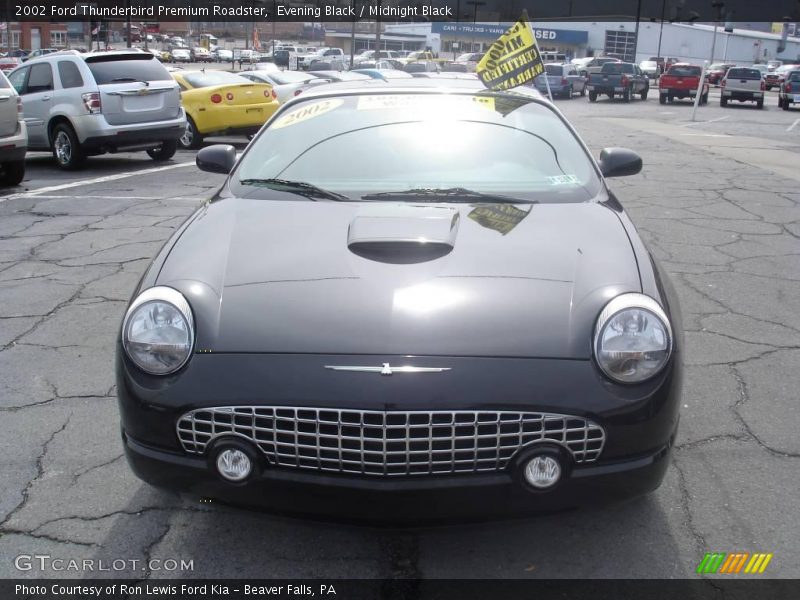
x=506, y=11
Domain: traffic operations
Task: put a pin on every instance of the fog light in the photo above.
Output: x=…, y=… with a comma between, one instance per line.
x=542, y=471
x=234, y=465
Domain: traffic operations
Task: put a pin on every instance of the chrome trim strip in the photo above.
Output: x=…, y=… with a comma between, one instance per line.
x=389, y=443
x=387, y=369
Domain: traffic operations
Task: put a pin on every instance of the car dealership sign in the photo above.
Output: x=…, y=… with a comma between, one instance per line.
x=482, y=30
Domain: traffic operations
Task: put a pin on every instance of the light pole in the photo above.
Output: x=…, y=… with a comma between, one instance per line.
x=378, y=35
x=636, y=31
x=660, y=34
x=8, y=25
x=353, y=35
x=128, y=24
x=476, y=4
x=718, y=6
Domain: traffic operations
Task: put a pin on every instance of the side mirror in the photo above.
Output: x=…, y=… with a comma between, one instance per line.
x=616, y=162
x=219, y=158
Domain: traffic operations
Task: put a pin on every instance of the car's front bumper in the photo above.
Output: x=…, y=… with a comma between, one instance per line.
x=639, y=424
x=391, y=501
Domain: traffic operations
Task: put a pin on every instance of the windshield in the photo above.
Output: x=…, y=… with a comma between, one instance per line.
x=615, y=68
x=495, y=144
x=289, y=77
x=115, y=68
x=743, y=74
x=684, y=71
x=209, y=78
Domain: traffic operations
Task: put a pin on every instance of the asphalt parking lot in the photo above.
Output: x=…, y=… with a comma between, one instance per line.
x=718, y=202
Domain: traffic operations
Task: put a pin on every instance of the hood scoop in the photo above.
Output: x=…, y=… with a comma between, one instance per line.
x=403, y=235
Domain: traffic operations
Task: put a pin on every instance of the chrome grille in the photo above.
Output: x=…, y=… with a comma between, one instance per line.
x=389, y=443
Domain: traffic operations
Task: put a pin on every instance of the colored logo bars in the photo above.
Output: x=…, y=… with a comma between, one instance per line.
x=734, y=563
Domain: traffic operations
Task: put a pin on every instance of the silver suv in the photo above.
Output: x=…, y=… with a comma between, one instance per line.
x=13, y=135
x=79, y=105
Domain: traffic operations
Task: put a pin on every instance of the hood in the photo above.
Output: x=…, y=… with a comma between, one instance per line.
x=328, y=277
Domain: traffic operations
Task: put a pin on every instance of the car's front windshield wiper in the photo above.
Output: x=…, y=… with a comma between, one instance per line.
x=294, y=187
x=456, y=194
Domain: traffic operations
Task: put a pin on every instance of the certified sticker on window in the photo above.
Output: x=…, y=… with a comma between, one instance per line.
x=306, y=112
x=563, y=180
x=422, y=102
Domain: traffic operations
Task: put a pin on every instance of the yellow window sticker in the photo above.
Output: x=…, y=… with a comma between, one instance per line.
x=306, y=112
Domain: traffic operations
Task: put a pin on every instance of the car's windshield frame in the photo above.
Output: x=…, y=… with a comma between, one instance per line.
x=589, y=189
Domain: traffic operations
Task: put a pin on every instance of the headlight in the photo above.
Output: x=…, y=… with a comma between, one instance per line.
x=158, y=331
x=633, y=338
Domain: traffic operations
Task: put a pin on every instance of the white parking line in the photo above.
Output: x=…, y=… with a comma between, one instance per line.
x=96, y=180
x=702, y=122
x=793, y=125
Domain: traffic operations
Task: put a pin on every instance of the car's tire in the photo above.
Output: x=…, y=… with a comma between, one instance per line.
x=163, y=152
x=592, y=96
x=723, y=102
x=760, y=104
x=66, y=148
x=191, y=138
x=643, y=94
x=662, y=99
x=13, y=172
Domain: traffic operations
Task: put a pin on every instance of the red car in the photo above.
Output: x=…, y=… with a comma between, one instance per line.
x=717, y=71
x=681, y=81
x=778, y=76
x=9, y=62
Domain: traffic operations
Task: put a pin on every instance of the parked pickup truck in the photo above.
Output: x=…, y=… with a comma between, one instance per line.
x=681, y=81
x=620, y=79
x=744, y=84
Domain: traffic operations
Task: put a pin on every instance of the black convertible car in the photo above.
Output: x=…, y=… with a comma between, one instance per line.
x=407, y=301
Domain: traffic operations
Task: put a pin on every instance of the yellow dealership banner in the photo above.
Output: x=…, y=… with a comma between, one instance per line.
x=513, y=59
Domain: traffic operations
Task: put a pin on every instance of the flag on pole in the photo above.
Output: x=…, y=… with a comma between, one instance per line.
x=513, y=59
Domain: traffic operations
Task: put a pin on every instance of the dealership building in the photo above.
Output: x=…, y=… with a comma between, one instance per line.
x=687, y=42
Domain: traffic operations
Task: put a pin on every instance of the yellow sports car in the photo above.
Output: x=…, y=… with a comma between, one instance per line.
x=222, y=103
